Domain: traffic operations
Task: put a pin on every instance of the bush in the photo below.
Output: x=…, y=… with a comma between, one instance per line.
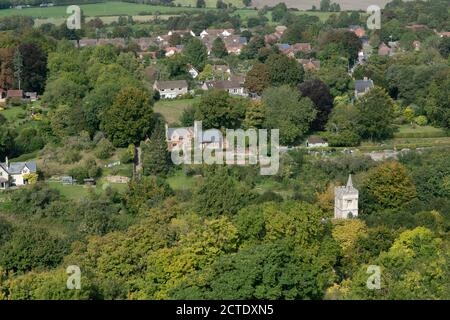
x=127, y=156
x=104, y=149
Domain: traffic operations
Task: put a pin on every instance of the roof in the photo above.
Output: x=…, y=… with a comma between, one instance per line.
x=17, y=167
x=283, y=46
x=223, y=84
x=362, y=85
x=346, y=190
x=171, y=84
x=315, y=140
x=171, y=131
x=15, y=94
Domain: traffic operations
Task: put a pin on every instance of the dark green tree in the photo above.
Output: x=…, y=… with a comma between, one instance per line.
x=130, y=118
x=155, y=156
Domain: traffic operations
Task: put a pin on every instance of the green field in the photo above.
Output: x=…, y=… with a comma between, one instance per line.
x=171, y=110
x=116, y=8
x=209, y=3
x=113, y=8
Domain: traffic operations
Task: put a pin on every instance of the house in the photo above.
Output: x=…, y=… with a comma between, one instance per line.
x=171, y=89
x=214, y=33
x=185, y=137
x=170, y=51
x=14, y=94
x=33, y=96
x=291, y=50
x=233, y=86
x=383, y=49
x=175, y=137
x=276, y=36
x=86, y=42
x=181, y=33
x=316, y=142
x=309, y=64
x=443, y=34
x=15, y=173
x=362, y=86
x=3, y=95
x=234, y=44
x=116, y=42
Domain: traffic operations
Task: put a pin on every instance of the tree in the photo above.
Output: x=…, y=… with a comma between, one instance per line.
x=320, y=95
x=18, y=68
x=288, y=112
x=258, y=78
x=34, y=67
x=375, y=115
x=32, y=247
x=283, y=70
x=146, y=192
x=220, y=194
x=247, y=3
x=129, y=119
x=196, y=53
x=413, y=268
x=279, y=12
x=251, y=50
x=387, y=186
x=218, y=49
x=200, y=4
x=325, y=5
x=155, y=157
x=218, y=110
x=255, y=115
x=221, y=5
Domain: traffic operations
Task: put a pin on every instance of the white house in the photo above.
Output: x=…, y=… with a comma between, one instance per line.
x=171, y=89
x=316, y=142
x=13, y=173
x=233, y=86
x=346, y=201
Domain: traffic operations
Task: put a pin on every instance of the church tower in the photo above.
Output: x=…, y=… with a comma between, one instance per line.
x=346, y=201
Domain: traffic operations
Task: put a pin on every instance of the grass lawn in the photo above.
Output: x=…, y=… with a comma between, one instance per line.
x=171, y=110
x=180, y=181
x=271, y=185
x=12, y=113
x=407, y=131
x=77, y=192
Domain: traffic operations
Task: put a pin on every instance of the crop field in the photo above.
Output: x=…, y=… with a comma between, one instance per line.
x=114, y=8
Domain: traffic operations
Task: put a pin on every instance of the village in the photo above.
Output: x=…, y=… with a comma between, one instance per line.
x=210, y=150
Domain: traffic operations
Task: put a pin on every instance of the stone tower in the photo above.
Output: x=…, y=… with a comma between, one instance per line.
x=346, y=201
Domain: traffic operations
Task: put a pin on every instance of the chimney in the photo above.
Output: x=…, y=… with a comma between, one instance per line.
x=6, y=162
x=365, y=78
